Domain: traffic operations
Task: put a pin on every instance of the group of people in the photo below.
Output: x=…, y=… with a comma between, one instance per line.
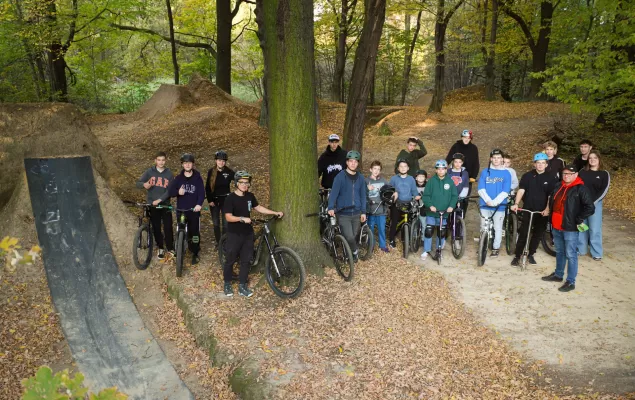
x=570, y=196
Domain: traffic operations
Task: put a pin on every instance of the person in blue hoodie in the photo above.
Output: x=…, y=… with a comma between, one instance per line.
x=189, y=190
x=494, y=187
x=405, y=190
x=348, y=199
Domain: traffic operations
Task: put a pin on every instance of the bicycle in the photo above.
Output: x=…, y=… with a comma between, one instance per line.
x=409, y=210
x=143, y=243
x=457, y=229
x=510, y=225
x=438, y=255
x=486, y=236
x=180, y=241
x=547, y=241
x=284, y=269
x=337, y=245
x=523, y=258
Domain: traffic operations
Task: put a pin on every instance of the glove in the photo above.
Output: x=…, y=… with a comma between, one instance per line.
x=583, y=227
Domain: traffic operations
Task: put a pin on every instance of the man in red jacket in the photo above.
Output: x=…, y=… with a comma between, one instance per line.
x=570, y=205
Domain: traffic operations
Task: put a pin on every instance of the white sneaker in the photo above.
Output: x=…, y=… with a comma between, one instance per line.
x=424, y=255
x=443, y=245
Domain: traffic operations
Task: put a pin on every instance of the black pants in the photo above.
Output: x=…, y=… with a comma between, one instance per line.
x=193, y=230
x=540, y=225
x=236, y=246
x=157, y=216
x=464, y=202
x=395, y=217
x=218, y=217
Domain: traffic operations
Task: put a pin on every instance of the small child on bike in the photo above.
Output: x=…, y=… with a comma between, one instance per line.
x=440, y=195
x=189, y=190
x=460, y=177
x=421, y=178
x=156, y=180
x=377, y=210
x=405, y=189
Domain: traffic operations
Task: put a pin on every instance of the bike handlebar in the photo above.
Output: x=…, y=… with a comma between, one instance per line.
x=190, y=209
x=149, y=205
x=529, y=211
x=264, y=220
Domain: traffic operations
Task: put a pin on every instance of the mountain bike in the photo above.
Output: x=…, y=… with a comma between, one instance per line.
x=438, y=254
x=143, y=242
x=180, y=243
x=337, y=245
x=547, y=240
x=365, y=242
x=405, y=225
x=284, y=269
x=523, y=258
x=456, y=231
x=486, y=237
x=510, y=226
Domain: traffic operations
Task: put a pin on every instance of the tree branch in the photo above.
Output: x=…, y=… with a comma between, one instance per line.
x=198, y=45
x=92, y=19
x=197, y=36
x=236, y=8
x=523, y=25
x=71, y=32
x=458, y=4
x=242, y=30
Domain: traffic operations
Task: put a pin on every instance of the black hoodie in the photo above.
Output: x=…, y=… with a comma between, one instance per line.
x=470, y=151
x=330, y=164
x=194, y=190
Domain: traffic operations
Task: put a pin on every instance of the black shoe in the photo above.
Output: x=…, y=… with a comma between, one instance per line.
x=195, y=259
x=531, y=259
x=229, y=292
x=515, y=262
x=552, y=278
x=567, y=287
x=495, y=253
x=393, y=244
x=243, y=290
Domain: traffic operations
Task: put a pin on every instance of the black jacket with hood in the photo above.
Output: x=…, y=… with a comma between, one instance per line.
x=470, y=151
x=330, y=164
x=578, y=204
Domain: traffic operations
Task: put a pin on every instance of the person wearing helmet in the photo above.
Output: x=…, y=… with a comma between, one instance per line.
x=471, y=161
x=189, y=190
x=411, y=155
x=534, y=190
x=348, y=200
x=240, y=233
x=217, y=188
x=405, y=191
x=494, y=186
x=440, y=194
x=376, y=208
x=331, y=162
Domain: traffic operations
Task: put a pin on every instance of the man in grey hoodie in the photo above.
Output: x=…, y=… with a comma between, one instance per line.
x=156, y=180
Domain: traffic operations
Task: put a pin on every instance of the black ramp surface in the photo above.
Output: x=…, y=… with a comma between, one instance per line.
x=102, y=326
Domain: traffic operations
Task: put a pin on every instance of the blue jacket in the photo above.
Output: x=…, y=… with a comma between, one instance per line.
x=494, y=185
x=347, y=192
x=406, y=188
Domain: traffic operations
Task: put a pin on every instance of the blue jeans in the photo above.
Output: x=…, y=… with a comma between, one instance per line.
x=427, y=242
x=566, y=243
x=380, y=222
x=594, y=235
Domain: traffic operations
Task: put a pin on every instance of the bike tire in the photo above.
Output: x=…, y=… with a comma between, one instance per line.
x=180, y=253
x=415, y=236
x=142, y=247
x=458, y=243
x=366, y=243
x=405, y=235
x=511, y=233
x=548, y=244
x=483, y=245
x=221, y=251
x=287, y=277
x=343, y=256
x=523, y=262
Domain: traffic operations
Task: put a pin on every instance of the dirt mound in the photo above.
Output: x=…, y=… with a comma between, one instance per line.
x=466, y=94
x=46, y=130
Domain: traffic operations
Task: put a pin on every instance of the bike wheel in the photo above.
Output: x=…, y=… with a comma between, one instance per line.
x=523, y=262
x=343, y=256
x=142, y=247
x=221, y=251
x=366, y=243
x=458, y=239
x=405, y=235
x=415, y=236
x=548, y=243
x=180, y=253
x=511, y=233
x=285, y=273
x=483, y=245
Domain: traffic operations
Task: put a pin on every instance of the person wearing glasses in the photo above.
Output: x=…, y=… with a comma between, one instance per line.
x=331, y=162
x=571, y=203
x=240, y=233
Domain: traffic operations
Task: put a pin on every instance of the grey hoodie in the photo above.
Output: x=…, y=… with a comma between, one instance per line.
x=374, y=200
x=159, y=182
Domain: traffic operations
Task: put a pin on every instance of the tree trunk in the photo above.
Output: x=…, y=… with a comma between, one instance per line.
x=506, y=82
x=223, y=45
x=490, y=76
x=340, y=55
x=408, y=60
x=289, y=44
x=175, y=62
x=57, y=68
x=363, y=71
x=263, y=119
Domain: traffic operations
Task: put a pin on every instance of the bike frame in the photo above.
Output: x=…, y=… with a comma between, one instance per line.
x=438, y=249
x=264, y=233
x=489, y=223
x=523, y=264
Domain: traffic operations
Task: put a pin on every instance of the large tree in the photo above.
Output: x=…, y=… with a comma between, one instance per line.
x=363, y=73
x=288, y=51
x=224, y=23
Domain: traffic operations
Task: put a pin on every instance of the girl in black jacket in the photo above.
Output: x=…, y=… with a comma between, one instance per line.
x=597, y=181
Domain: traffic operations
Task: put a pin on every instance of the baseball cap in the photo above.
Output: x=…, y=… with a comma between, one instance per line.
x=571, y=167
x=333, y=137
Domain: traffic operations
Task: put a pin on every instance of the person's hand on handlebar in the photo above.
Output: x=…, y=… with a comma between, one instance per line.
x=245, y=220
x=417, y=198
x=156, y=202
x=450, y=209
x=514, y=207
x=491, y=204
x=362, y=218
x=197, y=208
x=433, y=209
x=332, y=213
x=545, y=212
x=280, y=214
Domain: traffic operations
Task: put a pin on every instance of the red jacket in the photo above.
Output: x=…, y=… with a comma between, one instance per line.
x=570, y=205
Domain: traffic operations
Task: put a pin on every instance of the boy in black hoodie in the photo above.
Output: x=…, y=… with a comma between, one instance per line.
x=189, y=190
x=216, y=189
x=470, y=158
x=331, y=162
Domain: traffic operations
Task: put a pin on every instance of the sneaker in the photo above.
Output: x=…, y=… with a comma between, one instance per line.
x=443, y=245
x=567, y=287
x=356, y=256
x=385, y=250
x=531, y=259
x=229, y=292
x=243, y=290
x=424, y=255
x=161, y=254
x=494, y=253
x=597, y=258
x=515, y=262
x=393, y=244
x=433, y=256
x=195, y=259
x=552, y=278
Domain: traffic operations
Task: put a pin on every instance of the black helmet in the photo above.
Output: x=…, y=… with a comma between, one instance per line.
x=496, y=152
x=458, y=156
x=399, y=161
x=187, y=157
x=242, y=175
x=422, y=172
x=386, y=192
x=220, y=155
